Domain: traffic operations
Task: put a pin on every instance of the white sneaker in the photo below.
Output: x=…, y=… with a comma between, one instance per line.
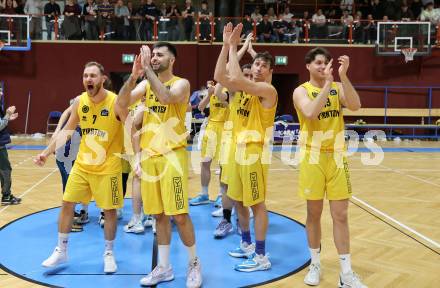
x=350, y=280
x=313, y=276
x=58, y=257
x=149, y=221
x=251, y=213
x=134, y=226
x=159, y=274
x=194, y=274
x=219, y=212
x=119, y=213
x=101, y=220
x=109, y=262
x=243, y=251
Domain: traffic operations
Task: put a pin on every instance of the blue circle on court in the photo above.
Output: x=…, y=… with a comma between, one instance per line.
x=27, y=241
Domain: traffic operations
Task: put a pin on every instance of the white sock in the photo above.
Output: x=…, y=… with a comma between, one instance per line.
x=109, y=245
x=315, y=254
x=164, y=255
x=63, y=239
x=191, y=252
x=85, y=207
x=205, y=190
x=137, y=217
x=345, y=261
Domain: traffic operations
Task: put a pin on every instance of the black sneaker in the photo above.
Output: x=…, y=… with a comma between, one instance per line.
x=10, y=200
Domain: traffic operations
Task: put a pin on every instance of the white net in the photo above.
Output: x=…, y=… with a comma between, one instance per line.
x=409, y=54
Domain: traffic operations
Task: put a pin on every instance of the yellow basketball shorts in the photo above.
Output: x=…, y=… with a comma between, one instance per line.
x=164, y=185
x=106, y=189
x=211, y=141
x=126, y=167
x=324, y=174
x=247, y=175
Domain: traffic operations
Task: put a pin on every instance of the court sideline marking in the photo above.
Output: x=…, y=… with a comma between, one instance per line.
x=31, y=188
x=437, y=245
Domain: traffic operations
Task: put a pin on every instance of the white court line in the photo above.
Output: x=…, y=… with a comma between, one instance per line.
x=30, y=189
x=392, y=219
x=21, y=162
x=399, y=171
x=437, y=245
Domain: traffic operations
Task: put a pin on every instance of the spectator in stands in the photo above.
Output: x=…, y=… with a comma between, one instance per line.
x=430, y=14
x=318, y=27
x=280, y=28
x=163, y=22
x=390, y=8
x=138, y=21
x=416, y=8
x=205, y=21
x=346, y=5
x=72, y=21
x=122, y=24
x=90, y=12
x=370, y=30
x=8, y=6
x=346, y=20
x=256, y=16
x=287, y=16
x=106, y=13
x=173, y=13
x=150, y=14
x=364, y=7
x=34, y=8
x=131, y=27
x=358, y=29
x=294, y=30
x=52, y=11
x=188, y=16
x=271, y=14
x=248, y=24
x=376, y=9
x=20, y=7
x=265, y=30
x=405, y=14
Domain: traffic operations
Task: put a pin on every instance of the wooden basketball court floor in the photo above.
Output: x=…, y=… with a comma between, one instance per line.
x=394, y=215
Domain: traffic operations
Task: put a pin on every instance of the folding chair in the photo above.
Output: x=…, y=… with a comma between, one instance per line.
x=52, y=121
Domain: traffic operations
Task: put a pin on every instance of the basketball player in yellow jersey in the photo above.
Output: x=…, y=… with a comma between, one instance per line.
x=97, y=169
x=163, y=166
x=323, y=169
x=254, y=116
x=211, y=140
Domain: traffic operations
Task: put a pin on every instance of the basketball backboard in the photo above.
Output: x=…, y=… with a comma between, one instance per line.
x=392, y=37
x=14, y=32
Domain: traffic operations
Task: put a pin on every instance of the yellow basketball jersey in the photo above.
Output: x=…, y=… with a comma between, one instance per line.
x=250, y=117
x=163, y=126
x=102, y=136
x=327, y=126
x=128, y=147
x=218, y=110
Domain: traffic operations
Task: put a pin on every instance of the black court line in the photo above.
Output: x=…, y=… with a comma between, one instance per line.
x=153, y=259
x=389, y=224
x=401, y=231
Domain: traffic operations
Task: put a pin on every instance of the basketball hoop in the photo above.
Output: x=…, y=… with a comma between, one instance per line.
x=409, y=54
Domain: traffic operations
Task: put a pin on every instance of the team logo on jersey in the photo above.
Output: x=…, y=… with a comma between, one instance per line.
x=104, y=112
x=333, y=92
x=315, y=94
x=85, y=109
x=84, y=118
x=178, y=193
